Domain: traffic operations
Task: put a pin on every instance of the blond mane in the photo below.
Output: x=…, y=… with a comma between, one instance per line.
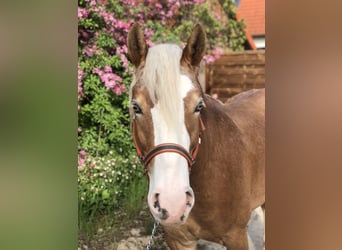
x=161, y=76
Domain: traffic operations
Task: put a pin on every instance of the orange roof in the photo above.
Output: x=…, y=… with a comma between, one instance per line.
x=253, y=12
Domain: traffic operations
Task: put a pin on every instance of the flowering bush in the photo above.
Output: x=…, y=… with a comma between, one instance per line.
x=103, y=180
x=107, y=161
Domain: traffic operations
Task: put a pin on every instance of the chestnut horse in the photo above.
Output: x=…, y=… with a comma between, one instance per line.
x=178, y=128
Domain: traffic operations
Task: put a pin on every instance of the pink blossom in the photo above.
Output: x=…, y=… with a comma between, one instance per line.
x=111, y=80
x=83, y=33
x=185, y=2
x=79, y=89
x=81, y=162
x=171, y=2
x=82, y=157
x=80, y=73
x=89, y=51
x=124, y=49
x=140, y=16
x=129, y=3
x=169, y=14
x=107, y=69
x=121, y=50
x=217, y=16
x=218, y=52
x=79, y=130
x=109, y=84
x=124, y=60
x=122, y=25
x=118, y=89
x=79, y=84
x=158, y=5
x=92, y=2
x=82, y=13
x=149, y=42
x=96, y=71
x=209, y=59
x=107, y=17
x=148, y=32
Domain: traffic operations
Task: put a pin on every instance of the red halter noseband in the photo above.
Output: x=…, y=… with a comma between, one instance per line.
x=167, y=148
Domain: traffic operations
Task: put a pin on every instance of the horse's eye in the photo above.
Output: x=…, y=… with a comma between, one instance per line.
x=136, y=108
x=199, y=107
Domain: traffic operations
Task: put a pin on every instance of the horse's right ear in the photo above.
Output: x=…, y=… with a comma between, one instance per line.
x=137, y=48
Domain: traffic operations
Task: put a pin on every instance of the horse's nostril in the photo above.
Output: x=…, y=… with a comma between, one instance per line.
x=156, y=202
x=164, y=214
x=189, y=198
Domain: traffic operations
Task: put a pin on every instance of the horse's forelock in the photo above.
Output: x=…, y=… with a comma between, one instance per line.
x=161, y=76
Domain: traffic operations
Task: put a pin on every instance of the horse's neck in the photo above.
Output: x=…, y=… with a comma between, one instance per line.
x=220, y=138
x=220, y=129
x=217, y=118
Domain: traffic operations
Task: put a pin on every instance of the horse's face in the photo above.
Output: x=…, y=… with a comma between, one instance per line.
x=166, y=101
x=170, y=196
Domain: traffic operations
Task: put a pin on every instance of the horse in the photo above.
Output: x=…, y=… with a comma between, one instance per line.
x=194, y=147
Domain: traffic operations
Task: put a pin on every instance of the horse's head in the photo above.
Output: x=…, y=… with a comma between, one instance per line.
x=165, y=104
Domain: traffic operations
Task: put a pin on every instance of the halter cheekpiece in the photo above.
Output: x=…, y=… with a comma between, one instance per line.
x=166, y=148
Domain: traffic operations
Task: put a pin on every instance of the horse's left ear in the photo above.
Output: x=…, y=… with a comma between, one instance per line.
x=137, y=48
x=195, y=48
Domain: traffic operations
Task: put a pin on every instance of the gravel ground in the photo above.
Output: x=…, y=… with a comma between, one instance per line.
x=255, y=230
x=134, y=236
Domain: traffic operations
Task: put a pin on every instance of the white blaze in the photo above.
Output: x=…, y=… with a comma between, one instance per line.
x=170, y=170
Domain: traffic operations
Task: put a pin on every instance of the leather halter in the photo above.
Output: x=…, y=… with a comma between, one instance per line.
x=167, y=148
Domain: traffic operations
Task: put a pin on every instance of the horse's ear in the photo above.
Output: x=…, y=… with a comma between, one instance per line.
x=137, y=48
x=195, y=48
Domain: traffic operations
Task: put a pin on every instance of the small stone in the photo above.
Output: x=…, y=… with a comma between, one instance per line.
x=135, y=232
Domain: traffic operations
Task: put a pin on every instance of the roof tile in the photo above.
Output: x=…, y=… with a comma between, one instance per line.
x=253, y=12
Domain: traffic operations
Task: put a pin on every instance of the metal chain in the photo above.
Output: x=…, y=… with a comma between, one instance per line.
x=150, y=242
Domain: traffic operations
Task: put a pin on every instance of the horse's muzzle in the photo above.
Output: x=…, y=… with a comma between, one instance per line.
x=171, y=207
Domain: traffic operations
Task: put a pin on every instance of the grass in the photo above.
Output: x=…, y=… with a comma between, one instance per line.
x=135, y=195
x=113, y=224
